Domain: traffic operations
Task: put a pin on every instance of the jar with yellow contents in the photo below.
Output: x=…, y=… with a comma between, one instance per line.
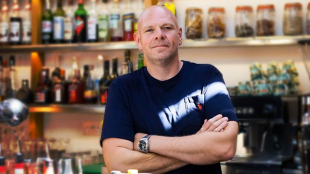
x=193, y=23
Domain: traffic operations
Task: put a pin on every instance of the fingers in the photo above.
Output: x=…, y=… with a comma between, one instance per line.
x=211, y=121
x=217, y=123
x=221, y=127
x=203, y=127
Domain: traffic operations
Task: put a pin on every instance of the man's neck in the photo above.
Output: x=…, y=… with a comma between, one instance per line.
x=164, y=73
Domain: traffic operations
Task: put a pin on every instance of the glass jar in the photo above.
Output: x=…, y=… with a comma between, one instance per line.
x=244, y=88
x=244, y=21
x=216, y=22
x=128, y=25
x=262, y=88
x=265, y=20
x=281, y=88
x=308, y=19
x=292, y=20
x=193, y=23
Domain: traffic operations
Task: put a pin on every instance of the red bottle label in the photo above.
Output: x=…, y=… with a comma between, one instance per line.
x=40, y=97
x=72, y=96
x=79, y=25
x=104, y=97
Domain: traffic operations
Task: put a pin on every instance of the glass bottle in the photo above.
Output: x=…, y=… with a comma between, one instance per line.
x=85, y=73
x=59, y=90
x=3, y=169
x=128, y=25
x=216, y=22
x=76, y=88
x=105, y=82
x=308, y=19
x=47, y=24
x=92, y=23
x=10, y=90
x=193, y=23
x=114, y=74
x=116, y=22
x=141, y=61
x=25, y=94
x=56, y=72
x=127, y=59
x=69, y=23
x=244, y=21
x=103, y=22
x=138, y=12
x=265, y=20
x=15, y=25
x=293, y=19
x=26, y=37
x=4, y=24
x=58, y=22
x=90, y=93
x=19, y=160
x=43, y=93
x=80, y=23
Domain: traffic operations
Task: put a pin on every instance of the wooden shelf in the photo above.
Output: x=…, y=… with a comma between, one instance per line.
x=79, y=108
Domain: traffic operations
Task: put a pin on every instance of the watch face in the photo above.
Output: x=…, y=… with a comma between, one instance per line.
x=142, y=145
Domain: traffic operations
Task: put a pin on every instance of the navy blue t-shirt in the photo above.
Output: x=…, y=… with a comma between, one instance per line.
x=137, y=102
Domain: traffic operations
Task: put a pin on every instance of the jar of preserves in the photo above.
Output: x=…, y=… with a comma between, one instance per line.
x=244, y=21
x=292, y=20
x=216, y=22
x=193, y=23
x=128, y=25
x=265, y=20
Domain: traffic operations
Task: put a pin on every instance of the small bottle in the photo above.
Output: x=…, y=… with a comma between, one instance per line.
x=76, y=89
x=15, y=25
x=105, y=82
x=59, y=89
x=25, y=94
x=58, y=23
x=26, y=37
x=43, y=93
x=4, y=24
x=116, y=22
x=47, y=24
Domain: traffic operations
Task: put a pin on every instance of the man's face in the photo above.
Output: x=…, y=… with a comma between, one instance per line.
x=159, y=36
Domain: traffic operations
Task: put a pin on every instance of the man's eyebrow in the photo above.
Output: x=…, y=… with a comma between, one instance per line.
x=165, y=24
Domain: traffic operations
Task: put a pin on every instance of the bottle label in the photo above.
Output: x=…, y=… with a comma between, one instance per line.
x=58, y=95
x=26, y=31
x=40, y=97
x=4, y=32
x=104, y=96
x=103, y=26
x=58, y=27
x=89, y=94
x=92, y=28
x=68, y=35
x=79, y=25
x=116, y=25
x=72, y=96
x=128, y=26
x=19, y=171
x=114, y=19
x=15, y=31
x=46, y=26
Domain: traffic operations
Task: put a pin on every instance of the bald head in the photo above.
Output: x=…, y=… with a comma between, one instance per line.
x=156, y=11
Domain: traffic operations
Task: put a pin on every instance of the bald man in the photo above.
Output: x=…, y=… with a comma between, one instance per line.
x=171, y=116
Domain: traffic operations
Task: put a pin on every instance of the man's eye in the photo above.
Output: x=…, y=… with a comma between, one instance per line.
x=149, y=30
x=168, y=28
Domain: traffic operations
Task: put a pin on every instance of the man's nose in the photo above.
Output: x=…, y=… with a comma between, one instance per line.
x=160, y=35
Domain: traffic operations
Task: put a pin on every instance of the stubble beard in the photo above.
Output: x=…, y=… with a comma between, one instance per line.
x=165, y=60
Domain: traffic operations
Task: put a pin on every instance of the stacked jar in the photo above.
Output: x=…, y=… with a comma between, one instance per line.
x=292, y=20
x=244, y=21
x=265, y=22
x=216, y=22
x=193, y=23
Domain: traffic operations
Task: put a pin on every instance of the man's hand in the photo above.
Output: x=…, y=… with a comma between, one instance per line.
x=215, y=124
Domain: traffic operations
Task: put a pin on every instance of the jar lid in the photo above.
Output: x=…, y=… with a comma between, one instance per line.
x=292, y=5
x=243, y=8
x=265, y=7
x=217, y=9
x=193, y=9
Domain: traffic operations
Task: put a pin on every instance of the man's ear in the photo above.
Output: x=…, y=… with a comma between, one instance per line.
x=137, y=40
x=180, y=36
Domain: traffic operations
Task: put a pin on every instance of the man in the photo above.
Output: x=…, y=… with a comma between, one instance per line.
x=172, y=116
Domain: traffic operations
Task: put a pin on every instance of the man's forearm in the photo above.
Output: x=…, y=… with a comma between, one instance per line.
x=203, y=148
x=122, y=159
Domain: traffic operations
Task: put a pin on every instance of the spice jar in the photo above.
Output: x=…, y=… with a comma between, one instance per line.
x=193, y=23
x=216, y=22
x=308, y=19
x=292, y=20
x=265, y=20
x=244, y=21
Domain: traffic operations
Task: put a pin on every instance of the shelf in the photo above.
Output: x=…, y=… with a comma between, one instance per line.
x=79, y=108
x=187, y=43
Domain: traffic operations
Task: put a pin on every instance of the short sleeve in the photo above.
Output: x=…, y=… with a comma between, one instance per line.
x=217, y=100
x=118, y=120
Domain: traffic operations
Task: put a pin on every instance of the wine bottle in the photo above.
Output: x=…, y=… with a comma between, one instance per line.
x=103, y=23
x=105, y=82
x=47, y=24
x=43, y=93
x=10, y=90
x=26, y=37
x=69, y=23
x=58, y=23
x=25, y=94
x=4, y=24
x=15, y=25
x=90, y=94
x=80, y=23
x=116, y=27
x=114, y=68
x=92, y=23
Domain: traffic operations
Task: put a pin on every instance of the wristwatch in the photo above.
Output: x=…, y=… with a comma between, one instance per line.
x=143, y=144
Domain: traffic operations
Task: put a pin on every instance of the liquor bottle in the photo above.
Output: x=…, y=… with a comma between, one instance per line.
x=103, y=23
x=128, y=22
x=47, y=24
x=141, y=61
x=80, y=23
x=105, y=82
x=10, y=90
x=76, y=88
x=59, y=89
x=127, y=59
x=85, y=73
x=69, y=23
x=116, y=22
x=124, y=68
x=75, y=66
x=4, y=24
x=114, y=68
x=26, y=37
x=25, y=94
x=15, y=25
x=43, y=93
x=92, y=23
x=138, y=12
x=58, y=23
x=19, y=160
x=90, y=93
x=56, y=72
